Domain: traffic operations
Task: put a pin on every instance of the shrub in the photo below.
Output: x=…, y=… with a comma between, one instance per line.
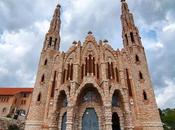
x=13, y=127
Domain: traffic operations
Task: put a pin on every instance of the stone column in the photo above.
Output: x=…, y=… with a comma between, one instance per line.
x=69, y=123
x=54, y=122
x=127, y=117
x=108, y=118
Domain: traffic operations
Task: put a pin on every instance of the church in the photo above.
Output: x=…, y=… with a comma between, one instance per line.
x=92, y=86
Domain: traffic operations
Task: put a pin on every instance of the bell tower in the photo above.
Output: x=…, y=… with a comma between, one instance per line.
x=46, y=77
x=141, y=94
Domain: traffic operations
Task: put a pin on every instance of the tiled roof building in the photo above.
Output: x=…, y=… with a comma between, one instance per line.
x=15, y=101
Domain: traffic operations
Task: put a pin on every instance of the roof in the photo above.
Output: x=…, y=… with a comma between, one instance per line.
x=13, y=91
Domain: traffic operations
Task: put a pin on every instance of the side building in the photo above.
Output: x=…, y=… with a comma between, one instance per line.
x=15, y=102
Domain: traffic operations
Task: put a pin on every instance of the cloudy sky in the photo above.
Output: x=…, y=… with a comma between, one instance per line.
x=23, y=25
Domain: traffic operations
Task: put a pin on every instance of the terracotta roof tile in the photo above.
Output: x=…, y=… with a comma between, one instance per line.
x=13, y=91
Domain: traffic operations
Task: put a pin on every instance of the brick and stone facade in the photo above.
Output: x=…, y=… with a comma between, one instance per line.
x=92, y=76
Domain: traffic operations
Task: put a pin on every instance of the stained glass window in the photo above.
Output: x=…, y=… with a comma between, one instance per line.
x=90, y=96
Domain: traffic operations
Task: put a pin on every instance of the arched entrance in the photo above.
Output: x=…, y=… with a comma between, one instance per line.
x=115, y=121
x=90, y=120
x=89, y=113
x=61, y=118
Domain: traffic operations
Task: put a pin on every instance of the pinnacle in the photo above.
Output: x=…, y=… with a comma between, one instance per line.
x=89, y=32
x=58, y=6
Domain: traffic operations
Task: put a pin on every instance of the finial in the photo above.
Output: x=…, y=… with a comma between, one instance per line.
x=105, y=41
x=74, y=42
x=89, y=32
x=58, y=6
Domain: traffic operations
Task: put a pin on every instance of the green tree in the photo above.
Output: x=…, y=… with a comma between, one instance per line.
x=168, y=118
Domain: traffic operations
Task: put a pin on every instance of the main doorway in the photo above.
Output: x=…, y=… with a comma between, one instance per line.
x=115, y=122
x=90, y=120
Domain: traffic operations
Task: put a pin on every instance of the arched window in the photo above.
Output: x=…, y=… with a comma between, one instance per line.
x=71, y=71
x=128, y=83
x=42, y=78
x=82, y=71
x=110, y=71
x=126, y=39
x=39, y=97
x=140, y=75
x=98, y=71
x=116, y=99
x=132, y=37
x=137, y=58
x=53, y=84
x=117, y=74
x=45, y=62
x=50, y=41
x=4, y=110
x=62, y=100
x=145, y=95
x=63, y=76
x=90, y=96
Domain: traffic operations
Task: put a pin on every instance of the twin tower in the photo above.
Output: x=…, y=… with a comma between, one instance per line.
x=92, y=86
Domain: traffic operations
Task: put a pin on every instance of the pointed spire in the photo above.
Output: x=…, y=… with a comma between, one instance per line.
x=130, y=32
x=124, y=7
x=53, y=36
x=56, y=21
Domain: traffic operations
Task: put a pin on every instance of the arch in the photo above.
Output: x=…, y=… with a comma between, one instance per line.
x=145, y=95
x=62, y=100
x=84, y=85
x=39, y=97
x=140, y=75
x=87, y=91
x=90, y=120
x=63, y=122
x=50, y=41
x=132, y=37
x=89, y=94
x=45, y=62
x=115, y=121
x=42, y=78
x=60, y=109
x=137, y=59
x=54, y=83
x=118, y=99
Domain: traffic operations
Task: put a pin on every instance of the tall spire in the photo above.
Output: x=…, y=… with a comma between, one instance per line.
x=130, y=32
x=52, y=40
x=56, y=21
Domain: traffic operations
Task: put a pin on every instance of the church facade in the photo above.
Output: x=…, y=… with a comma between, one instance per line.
x=92, y=86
